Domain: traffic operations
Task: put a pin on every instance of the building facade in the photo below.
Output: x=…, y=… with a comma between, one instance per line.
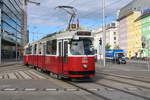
x=97, y=34
x=130, y=29
x=111, y=37
x=133, y=35
x=122, y=34
x=145, y=33
x=112, y=34
x=12, y=28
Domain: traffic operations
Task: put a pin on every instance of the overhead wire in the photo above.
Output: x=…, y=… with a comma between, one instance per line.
x=108, y=5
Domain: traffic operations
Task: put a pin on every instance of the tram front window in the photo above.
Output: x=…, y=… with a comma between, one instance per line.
x=81, y=47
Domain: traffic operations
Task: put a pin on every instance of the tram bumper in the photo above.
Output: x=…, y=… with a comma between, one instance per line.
x=81, y=73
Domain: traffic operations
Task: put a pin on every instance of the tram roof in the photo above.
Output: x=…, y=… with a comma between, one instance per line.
x=65, y=33
x=59, y=35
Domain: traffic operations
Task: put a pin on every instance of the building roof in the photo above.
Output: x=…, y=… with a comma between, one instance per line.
x=143, y=16
x=135, y=5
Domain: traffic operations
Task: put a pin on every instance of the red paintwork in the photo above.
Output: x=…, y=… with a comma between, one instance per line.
x=56, y=65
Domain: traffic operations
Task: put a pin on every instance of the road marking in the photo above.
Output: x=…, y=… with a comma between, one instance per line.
x=46, y=89
x=94, y=89
x=71, y=89
x=17, y=75
x=24, y=75
x=50, y=89
x=30, y=89
x=5, y=76
x=9, y=89
x=37, y=75
x=12, y=76
x=31, y=75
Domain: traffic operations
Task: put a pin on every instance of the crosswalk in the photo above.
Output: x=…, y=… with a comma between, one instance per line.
x=26, y=74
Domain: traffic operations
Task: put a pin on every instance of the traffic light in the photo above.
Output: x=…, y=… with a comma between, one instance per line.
x=143, y=45
x=100, y=41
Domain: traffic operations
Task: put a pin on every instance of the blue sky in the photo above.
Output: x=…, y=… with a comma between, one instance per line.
x=45, y=19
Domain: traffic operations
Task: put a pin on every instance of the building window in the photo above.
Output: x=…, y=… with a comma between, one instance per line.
x=114, y=38
x=114, y=33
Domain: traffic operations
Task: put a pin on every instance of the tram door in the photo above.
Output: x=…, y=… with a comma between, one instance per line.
x=63, y=55
x=44, y=57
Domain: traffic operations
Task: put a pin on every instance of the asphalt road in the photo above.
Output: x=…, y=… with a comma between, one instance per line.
x=17, y=82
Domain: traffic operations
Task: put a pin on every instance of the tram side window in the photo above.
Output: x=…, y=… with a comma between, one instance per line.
x=65, y=49
x=28, y=50
x=44, y=49
x=51, y=47
x=54, y=47
x=48, y=47
x=40, y=49
x=35, y=48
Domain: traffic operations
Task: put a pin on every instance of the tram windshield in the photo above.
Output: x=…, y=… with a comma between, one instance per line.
x=81, y=47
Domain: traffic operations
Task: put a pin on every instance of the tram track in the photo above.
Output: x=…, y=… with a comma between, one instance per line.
x=139, y=86
x=124, y=91
x=128, y=82
x=125, y=77
x=81, y=88
x=84, y=88
x=91, y=92
x=110, y=87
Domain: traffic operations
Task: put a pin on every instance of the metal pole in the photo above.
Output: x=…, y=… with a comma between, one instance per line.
x=148, y=56
x=0, y=36
x=16, y=48
x=104, y=35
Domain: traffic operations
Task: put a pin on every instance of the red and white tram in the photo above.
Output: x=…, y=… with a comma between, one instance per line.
x=65, y=54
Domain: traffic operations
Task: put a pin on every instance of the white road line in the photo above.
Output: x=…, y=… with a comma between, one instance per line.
x=9, y=89
x=49, y=89
x=24, y=75
x=71, y=89
x=12, y=76
x=39, y=76
x=30, y=89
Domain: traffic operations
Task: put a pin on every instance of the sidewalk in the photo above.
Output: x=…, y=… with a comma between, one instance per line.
x=10, y=62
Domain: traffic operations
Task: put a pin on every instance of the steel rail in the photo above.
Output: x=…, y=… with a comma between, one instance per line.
x=124, y=91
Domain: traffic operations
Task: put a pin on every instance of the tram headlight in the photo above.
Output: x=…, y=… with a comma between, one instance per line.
x=85, y=66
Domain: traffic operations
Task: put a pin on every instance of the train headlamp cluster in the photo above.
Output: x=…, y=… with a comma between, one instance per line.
x=85, y=66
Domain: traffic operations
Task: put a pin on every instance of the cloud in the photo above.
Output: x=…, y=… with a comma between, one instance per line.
x=47, y=15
